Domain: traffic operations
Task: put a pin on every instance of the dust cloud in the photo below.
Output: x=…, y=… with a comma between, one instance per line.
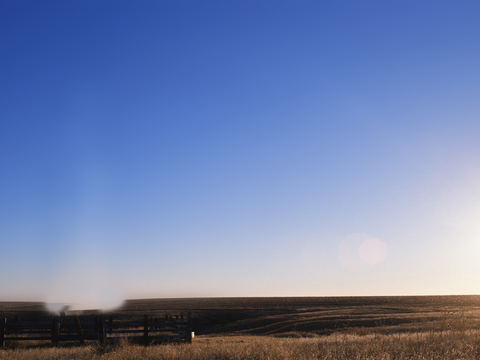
x=83, y=282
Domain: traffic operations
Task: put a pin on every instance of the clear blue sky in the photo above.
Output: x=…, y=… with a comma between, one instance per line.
x=239, y=148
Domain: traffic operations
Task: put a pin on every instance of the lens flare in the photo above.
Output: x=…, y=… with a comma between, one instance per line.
x=372, y=251
x=359, y=252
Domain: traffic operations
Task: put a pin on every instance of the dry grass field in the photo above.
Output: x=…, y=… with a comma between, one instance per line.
x=446, y=327
x=447, y=345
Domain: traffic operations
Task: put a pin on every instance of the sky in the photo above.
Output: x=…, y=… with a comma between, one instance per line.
x=196, y=148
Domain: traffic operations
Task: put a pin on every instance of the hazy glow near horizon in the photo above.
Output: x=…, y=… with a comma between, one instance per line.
x=240, y=148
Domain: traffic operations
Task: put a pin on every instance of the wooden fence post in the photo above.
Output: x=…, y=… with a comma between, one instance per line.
x=55, y=330
x=3, y=325
x=79, y=329
x=102, y=334
x=189, y=328
x=145, y=330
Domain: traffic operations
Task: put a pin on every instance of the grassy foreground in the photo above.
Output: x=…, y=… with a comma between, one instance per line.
x=434, y=345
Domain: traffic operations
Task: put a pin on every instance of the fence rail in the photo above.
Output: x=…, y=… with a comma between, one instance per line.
x=102, y=329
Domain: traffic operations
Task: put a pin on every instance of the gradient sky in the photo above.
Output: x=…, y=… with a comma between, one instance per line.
x=239, y=148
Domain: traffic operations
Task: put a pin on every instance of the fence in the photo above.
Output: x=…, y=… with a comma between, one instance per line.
x=98, y=328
